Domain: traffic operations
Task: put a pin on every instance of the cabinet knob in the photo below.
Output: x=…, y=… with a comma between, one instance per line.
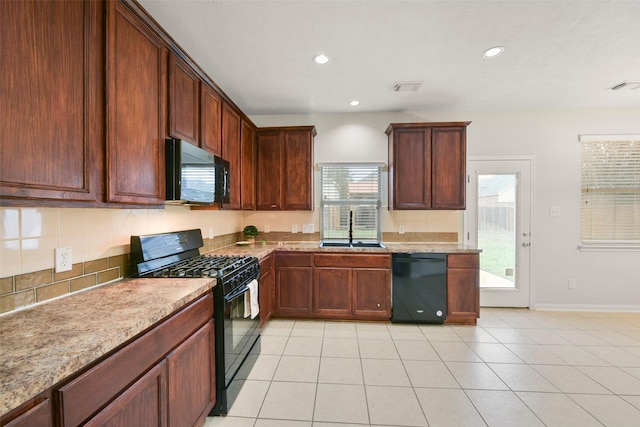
x=273, y=206
x=378, y=305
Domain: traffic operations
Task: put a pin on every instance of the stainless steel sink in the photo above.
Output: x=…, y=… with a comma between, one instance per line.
x=345, y=244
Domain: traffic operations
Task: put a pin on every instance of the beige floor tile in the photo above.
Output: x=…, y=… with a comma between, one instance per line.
x=340, y=347
x=281, y=423
x=273, y=344
x=614, y=379
x=278, y=327
x=298, y=369
x=615, y=338
x=558, y=410
x=429, y=373
x=397, y=406
x=340, y=330
x=570, y=380
x=405, y=332
x=633, y=371
x=311, y=328
x=609, y=410
x=229, y=422
x=494, y=353
x=260, y=367
x=614, y=356
x=384, y=372
x=519, y=377
x=509, y=336
x=448, y=408
x=544, y=336
x=377, y=349
x=340, y=371
x=455, y=351
x=503, y=409
x=439, y=333
x=249, y=400
x=471, y=334
x=475, y=376
x=579, y=337
x=289, y=401
x=416, y=350
x=372, y=331
x=303, y=346
x=535, y=354
x=576, y=355
x=341, y=403
x=634, y=400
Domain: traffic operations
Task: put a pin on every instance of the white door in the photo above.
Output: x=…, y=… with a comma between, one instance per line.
x=498, y=221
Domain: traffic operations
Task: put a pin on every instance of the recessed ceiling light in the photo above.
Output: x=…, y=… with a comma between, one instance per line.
x=321, y=59
x=493, y=52
x=354, y=103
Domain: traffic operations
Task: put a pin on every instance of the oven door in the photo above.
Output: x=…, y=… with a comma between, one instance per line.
x=240, y=332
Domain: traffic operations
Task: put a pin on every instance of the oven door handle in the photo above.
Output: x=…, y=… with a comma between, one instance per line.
x=236, y=293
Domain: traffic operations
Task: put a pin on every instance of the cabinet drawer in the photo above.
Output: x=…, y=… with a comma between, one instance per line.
x=293, y=260
x=266, y=264
x=352, y=261
x=463, y=261
x=100, y=384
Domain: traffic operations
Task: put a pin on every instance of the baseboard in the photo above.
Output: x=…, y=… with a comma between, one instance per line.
x=622, y=308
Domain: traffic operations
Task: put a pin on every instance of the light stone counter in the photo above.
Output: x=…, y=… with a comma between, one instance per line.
x=44, y=344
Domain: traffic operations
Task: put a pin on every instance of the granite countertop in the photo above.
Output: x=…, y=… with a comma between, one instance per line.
x=262, y=250
x=46, y=343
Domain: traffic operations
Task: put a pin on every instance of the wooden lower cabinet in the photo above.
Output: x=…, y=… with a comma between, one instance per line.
x=164, y=377
x=143, y=403
x=266, y=293
x=372, y=293
x=294, y=278
x=332, y=292
x=463, y=288
x=39, y=415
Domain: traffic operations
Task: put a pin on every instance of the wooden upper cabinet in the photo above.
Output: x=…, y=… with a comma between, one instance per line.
x=285, y=168
x=51, y=99
x=210, y=120
x=136, y=125
x=269, y=174
x=231, y=152
x=427, y=165
x=247, y=166
x=184, y=101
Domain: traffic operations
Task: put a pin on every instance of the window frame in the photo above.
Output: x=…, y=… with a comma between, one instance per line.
x=350, y=202
x=604, y=244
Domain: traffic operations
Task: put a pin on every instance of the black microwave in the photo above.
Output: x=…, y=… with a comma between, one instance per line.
x=194, y=175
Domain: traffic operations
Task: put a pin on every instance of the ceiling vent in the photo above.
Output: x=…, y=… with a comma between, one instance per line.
x=407, y=86
x=628, y=85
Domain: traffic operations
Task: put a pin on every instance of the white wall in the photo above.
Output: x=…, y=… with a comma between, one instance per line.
x=605, y=280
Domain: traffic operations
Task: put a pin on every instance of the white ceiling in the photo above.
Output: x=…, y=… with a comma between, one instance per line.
x=558, y=54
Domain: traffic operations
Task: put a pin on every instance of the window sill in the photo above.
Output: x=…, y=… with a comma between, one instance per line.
x=609, y=247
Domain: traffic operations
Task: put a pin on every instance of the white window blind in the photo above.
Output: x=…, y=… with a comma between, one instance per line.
x=354, y=188
x=610, y=202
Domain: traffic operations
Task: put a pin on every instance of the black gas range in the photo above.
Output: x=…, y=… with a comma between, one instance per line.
x=237, y=332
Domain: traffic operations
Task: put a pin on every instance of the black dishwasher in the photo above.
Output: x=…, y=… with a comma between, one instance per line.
x=419, y=288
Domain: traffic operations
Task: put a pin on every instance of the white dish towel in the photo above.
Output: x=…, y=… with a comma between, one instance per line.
x=251, y=307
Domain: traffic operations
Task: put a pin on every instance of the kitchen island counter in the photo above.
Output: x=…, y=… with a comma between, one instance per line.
x=46, y=343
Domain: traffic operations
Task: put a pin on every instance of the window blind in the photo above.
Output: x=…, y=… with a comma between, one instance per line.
x=355, y=189
x=610, y=201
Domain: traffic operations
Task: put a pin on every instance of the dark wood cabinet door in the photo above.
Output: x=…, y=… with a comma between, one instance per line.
x=463, y=288
x=412, y=168
x=247, y=166
x=266, y=293
x=184, y=101
x=51, y=99
x=332, y=292
x=449, y=158
x=231, y=152
x=298, y=170
x=142, y=404
x=136, y=125
x=269, y=178
x=293, y=291
x=372, y=293
x=39, y=415
x=191, y=379
x=210, y=120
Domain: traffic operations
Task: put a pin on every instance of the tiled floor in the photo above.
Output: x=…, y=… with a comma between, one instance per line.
x=516, y=368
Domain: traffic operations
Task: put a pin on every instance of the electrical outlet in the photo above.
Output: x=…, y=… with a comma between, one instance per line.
x=63, y=259
x=266, y=228
x=572, y=283
x=294, y=228
x=210, y=232
x=554, y=211
x=401, y=229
